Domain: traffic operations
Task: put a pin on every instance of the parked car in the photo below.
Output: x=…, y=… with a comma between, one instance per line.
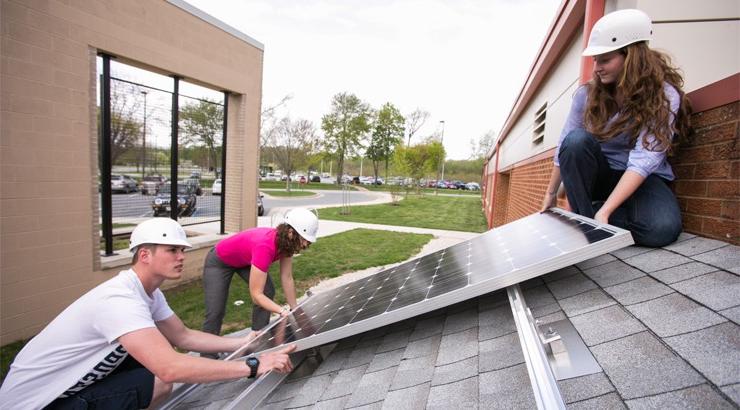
x=151, y=183
x=472, y=186
x=315, y=178
x=195, y=174
x=260, y=205
x=302, y=179
x=122, y=183
x=186, y=200
x=195, y=184
x=217, y=187
x=458, y=184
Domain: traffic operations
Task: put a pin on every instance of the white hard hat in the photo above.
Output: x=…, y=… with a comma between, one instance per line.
x=158, y=231
x=618, y=29
x=305, y=222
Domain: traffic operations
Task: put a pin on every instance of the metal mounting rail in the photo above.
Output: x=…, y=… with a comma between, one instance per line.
x=545, y=387
x=271, y=379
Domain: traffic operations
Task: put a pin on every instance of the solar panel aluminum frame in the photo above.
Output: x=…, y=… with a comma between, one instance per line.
x=620, y=239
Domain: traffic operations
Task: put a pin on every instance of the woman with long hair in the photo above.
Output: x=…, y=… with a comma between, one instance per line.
x=612, y=152
x=250, y=253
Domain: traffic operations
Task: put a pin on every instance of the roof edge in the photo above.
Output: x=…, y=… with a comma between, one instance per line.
x=566, y=23
x=716, y=94
x=183, y=5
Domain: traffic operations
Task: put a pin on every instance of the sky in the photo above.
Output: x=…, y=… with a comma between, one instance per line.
x=463, y=61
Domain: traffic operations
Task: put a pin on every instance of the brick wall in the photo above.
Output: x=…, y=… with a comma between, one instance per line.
x=708, y=175
x=707, y=184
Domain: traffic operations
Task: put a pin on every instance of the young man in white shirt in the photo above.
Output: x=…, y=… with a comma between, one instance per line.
x=113, y=347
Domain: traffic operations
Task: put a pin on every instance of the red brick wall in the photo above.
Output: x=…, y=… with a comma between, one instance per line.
x=707, y=183
x=708, y=175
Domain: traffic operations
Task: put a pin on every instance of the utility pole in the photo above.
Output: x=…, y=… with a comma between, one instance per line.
x=143, y=150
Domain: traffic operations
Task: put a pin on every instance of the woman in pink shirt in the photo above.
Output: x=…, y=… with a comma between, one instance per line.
x=250, y=253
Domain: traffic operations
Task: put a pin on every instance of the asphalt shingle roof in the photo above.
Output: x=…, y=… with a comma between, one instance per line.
x=661, y=323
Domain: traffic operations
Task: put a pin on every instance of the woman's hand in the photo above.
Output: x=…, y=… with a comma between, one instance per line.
x=602, y=216
x=284, y=312
x=549, y=201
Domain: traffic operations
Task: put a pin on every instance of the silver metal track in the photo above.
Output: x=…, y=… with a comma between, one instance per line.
x=545, y=387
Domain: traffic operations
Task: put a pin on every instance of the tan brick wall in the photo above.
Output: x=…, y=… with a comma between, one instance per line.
x=708, y=175
x=48, y=149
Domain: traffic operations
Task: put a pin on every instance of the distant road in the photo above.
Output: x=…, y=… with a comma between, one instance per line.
x=323, y=199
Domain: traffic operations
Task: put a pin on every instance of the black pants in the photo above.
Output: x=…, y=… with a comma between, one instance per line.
x=216, y=281
x=130, y=386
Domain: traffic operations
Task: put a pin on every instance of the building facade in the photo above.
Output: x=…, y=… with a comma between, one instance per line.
x=49, y=224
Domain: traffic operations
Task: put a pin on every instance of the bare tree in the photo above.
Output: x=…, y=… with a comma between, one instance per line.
x=270, y=119
x=480, y=148
x=126, y=128
x=291, y=144
x=414, y=121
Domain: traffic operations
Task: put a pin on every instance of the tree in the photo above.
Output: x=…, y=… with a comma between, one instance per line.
x=420, y=159
x=414, y=121
x=480, y=148
x=387, y=133
x=126, y=129
x=291, y=144
x=269, y=121
x=345, y=127
x=202, y=125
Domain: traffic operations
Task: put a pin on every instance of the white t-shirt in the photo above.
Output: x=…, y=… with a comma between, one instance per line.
x=80, y=346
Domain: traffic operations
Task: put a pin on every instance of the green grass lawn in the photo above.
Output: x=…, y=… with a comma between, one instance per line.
x=293, y=192
x=427, y=191
x=329, y=257
x=313, y=186
x=429, y=211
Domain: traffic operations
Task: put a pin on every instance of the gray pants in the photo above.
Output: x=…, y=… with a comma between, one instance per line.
x=216, y=280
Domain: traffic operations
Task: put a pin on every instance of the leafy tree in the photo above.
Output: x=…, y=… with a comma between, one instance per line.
x=387, y=133
x=345, y=127
x=414, y=121
x=202, y=125
x=420, y=159
x=291, y=144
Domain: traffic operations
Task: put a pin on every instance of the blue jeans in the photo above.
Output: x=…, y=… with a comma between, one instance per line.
x=651, y=213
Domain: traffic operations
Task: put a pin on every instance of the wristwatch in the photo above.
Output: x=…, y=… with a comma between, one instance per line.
x=253, y=364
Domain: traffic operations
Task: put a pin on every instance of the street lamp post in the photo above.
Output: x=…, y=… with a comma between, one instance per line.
x=443, y=147
x=143, y=151
x=441, y=141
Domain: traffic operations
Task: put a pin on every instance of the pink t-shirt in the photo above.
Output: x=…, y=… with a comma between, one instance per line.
x=254, y=247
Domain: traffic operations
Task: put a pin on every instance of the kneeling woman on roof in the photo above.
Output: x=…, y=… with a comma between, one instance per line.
x=612, y=152
x=250, y=253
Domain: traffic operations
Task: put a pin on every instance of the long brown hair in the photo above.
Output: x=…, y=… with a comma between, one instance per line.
x=644, y=104
x=287, y=243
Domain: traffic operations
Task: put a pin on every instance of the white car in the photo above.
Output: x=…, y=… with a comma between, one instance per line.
x=216, y=188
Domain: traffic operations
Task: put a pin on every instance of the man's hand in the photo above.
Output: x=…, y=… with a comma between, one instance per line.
x=278, y=361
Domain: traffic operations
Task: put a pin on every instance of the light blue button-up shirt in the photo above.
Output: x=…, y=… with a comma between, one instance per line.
x=618, y=152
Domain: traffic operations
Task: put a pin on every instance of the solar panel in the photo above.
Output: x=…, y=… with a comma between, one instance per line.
x=510, y=254
x=520, y=250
